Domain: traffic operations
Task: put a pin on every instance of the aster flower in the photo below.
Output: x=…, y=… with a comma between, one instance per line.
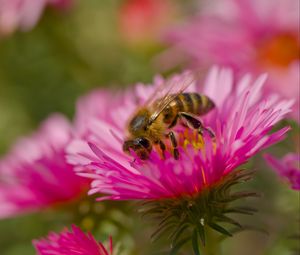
x=241, y=122
x=247, y=35
x=74, y=242
x=205, y=170
x=24, y=14
x=287, y=168
x=35, y=175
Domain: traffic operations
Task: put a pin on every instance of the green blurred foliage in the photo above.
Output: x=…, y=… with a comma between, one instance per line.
x=66, y=55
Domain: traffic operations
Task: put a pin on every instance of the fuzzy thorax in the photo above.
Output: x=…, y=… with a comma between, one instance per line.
x=139, y=125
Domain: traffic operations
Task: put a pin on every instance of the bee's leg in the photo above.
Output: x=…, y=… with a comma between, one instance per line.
x=174, y=144
x=162, y=147
x=196, y=124
x=174, y=122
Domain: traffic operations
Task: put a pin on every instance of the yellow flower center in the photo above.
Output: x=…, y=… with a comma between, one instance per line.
x=191, y=137
x=280, y=50
x=187, y=138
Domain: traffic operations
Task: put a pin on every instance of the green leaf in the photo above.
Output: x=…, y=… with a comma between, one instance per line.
x=168, y=218
x=162, y=229
x=195, y=242
x=241, y=210
x=201, y=233
x=245, y=228
x=176, y=248
x=178, y=232
x=228, y=220
x=219, y=229
x=239, y=195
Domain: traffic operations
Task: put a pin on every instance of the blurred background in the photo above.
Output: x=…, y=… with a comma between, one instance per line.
x=91, y=44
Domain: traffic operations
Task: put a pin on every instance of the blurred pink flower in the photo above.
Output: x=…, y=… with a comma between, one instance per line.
x=142, y=21
x=247, y=35
x=74, y=242
x=288, y=168
x=241, y=122
x=34, y=174
x=24, y=14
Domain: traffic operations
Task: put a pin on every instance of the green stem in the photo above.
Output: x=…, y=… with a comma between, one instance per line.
x=212, y=246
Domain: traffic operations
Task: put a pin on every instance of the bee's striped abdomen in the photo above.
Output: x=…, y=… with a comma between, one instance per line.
x=193, y=103
x=187, y=102
x=202, y=104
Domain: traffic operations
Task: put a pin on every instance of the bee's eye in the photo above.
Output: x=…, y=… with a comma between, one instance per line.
x=144, y=142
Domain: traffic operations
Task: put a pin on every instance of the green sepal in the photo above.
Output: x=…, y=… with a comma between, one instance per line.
x=195, y=242
x=175, y=249
x=201, y=233
x=189, y=217
x=220, y=229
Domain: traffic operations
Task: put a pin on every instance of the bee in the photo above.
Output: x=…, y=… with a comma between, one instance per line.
x=152, y=123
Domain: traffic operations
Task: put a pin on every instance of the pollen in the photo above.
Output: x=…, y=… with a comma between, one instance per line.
x=280, y=50
x=191, y=137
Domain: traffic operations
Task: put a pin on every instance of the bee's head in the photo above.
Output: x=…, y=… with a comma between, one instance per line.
x=140, y=145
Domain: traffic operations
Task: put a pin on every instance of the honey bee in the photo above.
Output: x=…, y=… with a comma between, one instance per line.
x=152, y=123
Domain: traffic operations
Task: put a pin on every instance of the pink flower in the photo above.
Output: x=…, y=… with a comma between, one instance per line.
x=142, y=21
x=241, y=122
x=34, y=174
x=24, y=14
x=248, y=35
x=74, y=242
x=288, y=168
x=88, y=108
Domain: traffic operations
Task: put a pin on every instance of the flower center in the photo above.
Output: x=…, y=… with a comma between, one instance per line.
x=190, y=137
x=279, y=50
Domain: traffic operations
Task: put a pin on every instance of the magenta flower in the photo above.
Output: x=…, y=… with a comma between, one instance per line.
x=88, y=108
x=241, y=122
x=287, y=168
x=248, y=35
x=34, y=174
x=74, y=242
x=24, y=14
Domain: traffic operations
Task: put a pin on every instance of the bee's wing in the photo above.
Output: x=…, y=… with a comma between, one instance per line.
x=167, y=92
